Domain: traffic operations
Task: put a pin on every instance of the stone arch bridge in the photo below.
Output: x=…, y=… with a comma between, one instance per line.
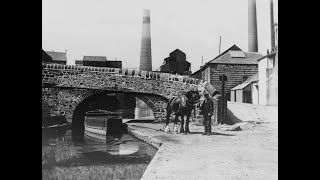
x=67, y=89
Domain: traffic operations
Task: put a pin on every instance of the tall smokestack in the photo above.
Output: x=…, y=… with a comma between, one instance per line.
x=145, y=54
x=272, y=27
x=252, y=27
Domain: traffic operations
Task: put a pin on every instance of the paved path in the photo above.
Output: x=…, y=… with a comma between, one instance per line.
x=251, y=153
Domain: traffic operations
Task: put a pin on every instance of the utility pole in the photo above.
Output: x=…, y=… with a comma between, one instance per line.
x=223, y=78
x=219, y=45
x=202, y=61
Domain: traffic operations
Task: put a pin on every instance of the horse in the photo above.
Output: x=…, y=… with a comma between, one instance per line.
x=182, y=106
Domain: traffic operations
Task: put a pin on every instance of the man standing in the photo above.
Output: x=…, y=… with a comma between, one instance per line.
x=206, y=111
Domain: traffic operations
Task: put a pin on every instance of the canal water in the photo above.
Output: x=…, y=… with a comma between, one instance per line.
x=120, y=156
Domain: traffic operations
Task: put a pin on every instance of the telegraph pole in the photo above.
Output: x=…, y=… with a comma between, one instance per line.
x=223, y=78
x=202, y=61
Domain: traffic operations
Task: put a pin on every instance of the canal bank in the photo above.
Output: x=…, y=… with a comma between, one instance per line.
x=251, y=153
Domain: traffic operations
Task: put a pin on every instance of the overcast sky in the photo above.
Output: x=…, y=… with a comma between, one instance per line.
x=113, y=28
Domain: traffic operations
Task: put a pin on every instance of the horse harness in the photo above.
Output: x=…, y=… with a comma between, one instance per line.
x=182, y=101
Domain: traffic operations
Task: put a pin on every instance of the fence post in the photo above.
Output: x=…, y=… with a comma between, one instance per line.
x=217, y=109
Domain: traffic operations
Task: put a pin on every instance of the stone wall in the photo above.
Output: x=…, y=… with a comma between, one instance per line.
x=62, y=102
x=70, y=84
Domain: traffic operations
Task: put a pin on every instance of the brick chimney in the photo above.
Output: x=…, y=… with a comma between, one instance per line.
x=252, y=27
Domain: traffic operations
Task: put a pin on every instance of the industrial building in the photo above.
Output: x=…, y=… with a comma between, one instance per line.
x=176, y=63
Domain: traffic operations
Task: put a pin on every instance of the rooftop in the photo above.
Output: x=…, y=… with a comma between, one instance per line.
x=57, y=56
x=94, y=58
x=250, y=80
x=234, y=55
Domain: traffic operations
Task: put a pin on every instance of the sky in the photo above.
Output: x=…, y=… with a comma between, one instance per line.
x=113, y=28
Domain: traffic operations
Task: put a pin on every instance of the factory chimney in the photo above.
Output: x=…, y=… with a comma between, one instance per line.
x=145, y=53
x=272, y=27
x=252, y=27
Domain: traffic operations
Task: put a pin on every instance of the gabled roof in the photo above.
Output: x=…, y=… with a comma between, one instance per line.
x=57, y=56
x=250, y=80
x=226, y=58
x=94, y=58
x=178, y=50
x=250, y=58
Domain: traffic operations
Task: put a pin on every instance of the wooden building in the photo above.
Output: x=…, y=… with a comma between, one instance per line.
x=246, y=92
x=236, y=64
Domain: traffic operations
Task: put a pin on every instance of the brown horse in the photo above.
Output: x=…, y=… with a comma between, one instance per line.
x=182, y=106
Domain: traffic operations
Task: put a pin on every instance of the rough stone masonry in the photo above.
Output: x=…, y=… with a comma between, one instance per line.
x=65, y=86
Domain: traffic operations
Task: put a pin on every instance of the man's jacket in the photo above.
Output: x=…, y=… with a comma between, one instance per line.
x=207, y=107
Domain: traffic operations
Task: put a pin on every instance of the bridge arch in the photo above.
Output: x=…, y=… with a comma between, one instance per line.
x=81, y=106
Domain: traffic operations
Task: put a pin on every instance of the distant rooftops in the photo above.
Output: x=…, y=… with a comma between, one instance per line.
x=57, y=56
x=94, y=58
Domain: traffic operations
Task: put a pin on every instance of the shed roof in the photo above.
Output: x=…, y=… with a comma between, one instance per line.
x=94, y=58
x=57, y=56
x=250, y=80
x=241, y=86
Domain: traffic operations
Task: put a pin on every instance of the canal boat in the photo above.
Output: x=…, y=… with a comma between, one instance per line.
x=97, y=122
x=101, y=112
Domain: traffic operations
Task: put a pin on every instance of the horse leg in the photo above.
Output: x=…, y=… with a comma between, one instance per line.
x=175, y=124
x=182, y=124
x=187, y=125
x=167, y=128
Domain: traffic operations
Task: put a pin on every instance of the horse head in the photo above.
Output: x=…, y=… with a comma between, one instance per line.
x=193, y=97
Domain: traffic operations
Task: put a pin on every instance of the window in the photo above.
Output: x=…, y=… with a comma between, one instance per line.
x=237, y=54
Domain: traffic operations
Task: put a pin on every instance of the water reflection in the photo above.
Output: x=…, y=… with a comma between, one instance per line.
x=63, y=157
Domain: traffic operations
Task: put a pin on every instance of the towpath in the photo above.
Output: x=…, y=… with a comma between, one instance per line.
x=251, y=153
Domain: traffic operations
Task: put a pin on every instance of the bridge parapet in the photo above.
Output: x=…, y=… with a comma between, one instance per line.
x=163, y=84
